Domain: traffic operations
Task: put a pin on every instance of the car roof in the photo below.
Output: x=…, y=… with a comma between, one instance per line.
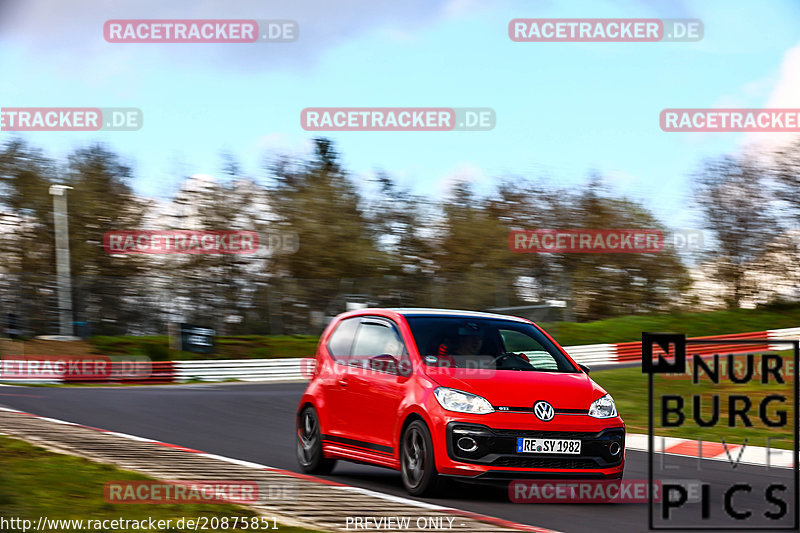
x=429, y=311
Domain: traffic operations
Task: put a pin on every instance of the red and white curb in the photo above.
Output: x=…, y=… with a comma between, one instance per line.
x=339, y=486
x=629, y=352
x=715, y=451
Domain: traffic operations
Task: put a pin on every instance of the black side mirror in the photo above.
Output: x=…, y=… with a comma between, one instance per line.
x=585, y=368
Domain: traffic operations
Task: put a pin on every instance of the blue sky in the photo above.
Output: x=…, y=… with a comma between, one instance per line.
x=563, y=109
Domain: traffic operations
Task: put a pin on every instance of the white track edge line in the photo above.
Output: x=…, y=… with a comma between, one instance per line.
x=366, y=492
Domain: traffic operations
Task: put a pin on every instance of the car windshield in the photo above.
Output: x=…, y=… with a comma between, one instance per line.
x=467, y=342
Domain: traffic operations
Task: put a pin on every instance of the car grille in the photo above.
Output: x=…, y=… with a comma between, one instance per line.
x=544, y=462
x=582, y=435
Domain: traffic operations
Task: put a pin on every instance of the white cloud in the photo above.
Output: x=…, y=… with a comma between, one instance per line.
x=620, y=180
x=282, y=144
x=463, y=173
x=785, y=94
x=459, y=8
x=74, y=30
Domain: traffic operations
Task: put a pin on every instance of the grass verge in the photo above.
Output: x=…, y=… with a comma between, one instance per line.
x=38, y=483
x=630, y=328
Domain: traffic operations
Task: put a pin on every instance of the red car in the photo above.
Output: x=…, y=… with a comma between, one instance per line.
x=443, y=394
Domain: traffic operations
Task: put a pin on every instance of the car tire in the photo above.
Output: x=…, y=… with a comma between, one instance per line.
x=310, y=456
x=417, y=465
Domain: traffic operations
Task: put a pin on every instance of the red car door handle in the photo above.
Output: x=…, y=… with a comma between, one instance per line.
x=343, y=382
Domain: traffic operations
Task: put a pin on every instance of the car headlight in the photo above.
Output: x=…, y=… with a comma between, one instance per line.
x=462, y=402
x=603, y=407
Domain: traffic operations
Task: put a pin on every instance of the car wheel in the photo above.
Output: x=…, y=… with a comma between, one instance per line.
x=417, y=465
x=309, y=444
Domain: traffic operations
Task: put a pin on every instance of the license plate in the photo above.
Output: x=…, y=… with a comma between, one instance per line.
x=526, y=445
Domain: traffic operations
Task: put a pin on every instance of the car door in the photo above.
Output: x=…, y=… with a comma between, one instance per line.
x=377, y=382
x=334, y=382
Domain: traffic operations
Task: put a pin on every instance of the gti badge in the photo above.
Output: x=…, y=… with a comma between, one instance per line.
x=544, y=411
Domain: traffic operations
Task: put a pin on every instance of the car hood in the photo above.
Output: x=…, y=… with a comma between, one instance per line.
x=521, y=389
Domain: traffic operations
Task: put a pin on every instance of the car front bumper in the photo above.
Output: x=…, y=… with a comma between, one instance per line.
x=495, y=457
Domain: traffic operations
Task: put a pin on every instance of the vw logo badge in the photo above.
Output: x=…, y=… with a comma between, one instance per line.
x=544, y=411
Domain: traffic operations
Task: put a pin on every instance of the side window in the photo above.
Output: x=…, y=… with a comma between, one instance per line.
x=375, y=339
x=538, y=356
x=340, y=343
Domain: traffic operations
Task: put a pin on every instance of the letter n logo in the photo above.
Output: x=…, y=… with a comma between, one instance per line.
x=675, y=359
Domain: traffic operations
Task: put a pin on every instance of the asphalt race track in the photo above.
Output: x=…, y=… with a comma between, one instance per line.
x=255, y=422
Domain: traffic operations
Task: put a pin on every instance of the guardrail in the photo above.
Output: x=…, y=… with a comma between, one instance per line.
x=592, y=354
x=297, y=369
x=240, y=369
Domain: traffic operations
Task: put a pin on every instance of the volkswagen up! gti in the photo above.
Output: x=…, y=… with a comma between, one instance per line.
x=440, y=394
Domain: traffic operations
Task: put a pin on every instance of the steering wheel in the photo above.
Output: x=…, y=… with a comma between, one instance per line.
x=502, y=356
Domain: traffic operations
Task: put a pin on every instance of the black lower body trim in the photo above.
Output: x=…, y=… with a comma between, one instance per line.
x=386, y=450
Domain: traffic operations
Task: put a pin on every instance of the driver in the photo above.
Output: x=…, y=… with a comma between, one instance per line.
x=469, y=342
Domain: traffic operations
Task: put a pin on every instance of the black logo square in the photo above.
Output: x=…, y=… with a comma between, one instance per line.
x=664, y=365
